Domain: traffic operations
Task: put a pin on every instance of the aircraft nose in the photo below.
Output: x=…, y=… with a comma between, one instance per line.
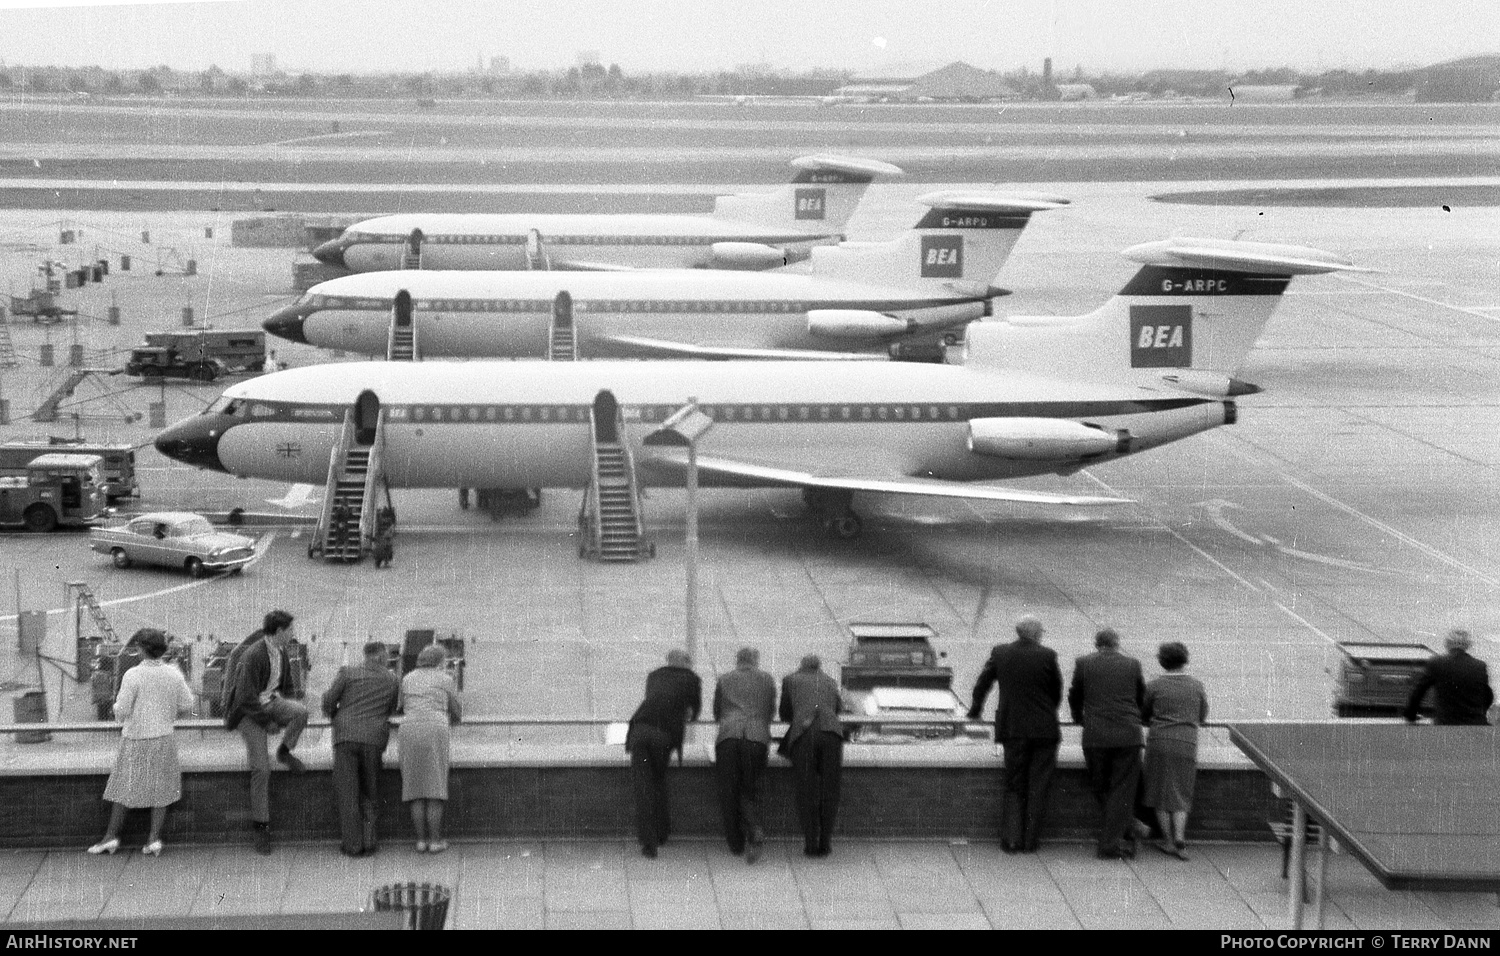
x=287, y=323
x=195, y=441
x=331, y=253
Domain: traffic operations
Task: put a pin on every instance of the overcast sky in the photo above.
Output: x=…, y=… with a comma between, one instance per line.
x=643, y=35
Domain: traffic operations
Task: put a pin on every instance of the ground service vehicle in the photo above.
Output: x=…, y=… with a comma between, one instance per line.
x=174, y=539
x=154, y=362
x=56, y=491
x=236, y=350
x=118, y=461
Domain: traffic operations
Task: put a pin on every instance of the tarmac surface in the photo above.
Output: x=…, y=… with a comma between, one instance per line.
x=1354, y=500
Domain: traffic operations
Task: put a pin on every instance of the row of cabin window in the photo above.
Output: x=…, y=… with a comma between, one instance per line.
x=512, y=240
x=545, y=305
x=721, y=413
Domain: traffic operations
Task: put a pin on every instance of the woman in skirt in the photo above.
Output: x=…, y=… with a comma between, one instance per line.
x=1176, y=706
x=429, y=699
x=146, y=773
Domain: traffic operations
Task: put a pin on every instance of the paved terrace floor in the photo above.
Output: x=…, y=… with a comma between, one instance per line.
x=699, y=885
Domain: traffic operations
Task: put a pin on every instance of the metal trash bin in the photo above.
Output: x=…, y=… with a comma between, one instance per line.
x=31, y=708
x=422, y=905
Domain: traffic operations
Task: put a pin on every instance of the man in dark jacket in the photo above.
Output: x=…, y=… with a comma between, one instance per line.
x=1030, y=690
x=810, y=705
x=360, y=703
x=674, y=695
x=744, y=702
x=258, y=706
x=1107, y=697
x=1462, y=683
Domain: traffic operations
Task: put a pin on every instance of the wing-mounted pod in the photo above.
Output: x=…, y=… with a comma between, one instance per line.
x=1044, y=439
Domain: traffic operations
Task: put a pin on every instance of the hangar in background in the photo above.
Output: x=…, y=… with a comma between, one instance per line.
x=1474, y=79
x=956, y=82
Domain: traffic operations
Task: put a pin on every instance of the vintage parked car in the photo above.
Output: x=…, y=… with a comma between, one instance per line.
x=174, y=539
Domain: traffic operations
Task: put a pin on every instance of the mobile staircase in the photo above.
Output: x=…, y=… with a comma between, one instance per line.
x=411, y=251
x=401, y=338
x=537, y=259
x=346, y=526
x=609, y=523
x=562, y=338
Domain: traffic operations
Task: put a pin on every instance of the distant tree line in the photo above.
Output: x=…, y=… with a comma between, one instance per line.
x=595, y=81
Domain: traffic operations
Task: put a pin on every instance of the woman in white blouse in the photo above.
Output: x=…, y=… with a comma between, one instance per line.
x=146, y=773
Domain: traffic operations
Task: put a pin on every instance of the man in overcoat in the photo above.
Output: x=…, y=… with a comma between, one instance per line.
x=810, y=705
x=1107, y=697
x=1030, y=691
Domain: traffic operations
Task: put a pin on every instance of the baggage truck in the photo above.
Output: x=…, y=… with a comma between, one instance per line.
x=202, y=355
x=239, y=350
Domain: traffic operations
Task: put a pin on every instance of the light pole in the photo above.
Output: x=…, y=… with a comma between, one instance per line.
x=683, y=429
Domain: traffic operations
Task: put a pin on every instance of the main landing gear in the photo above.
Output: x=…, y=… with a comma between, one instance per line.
x=832, y=509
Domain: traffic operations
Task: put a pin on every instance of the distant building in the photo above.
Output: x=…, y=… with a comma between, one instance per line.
x=1475, y=79
x=957, y=81
x=1263, y=92
x=262, y=64
x=499, y=64
x=1076, y=91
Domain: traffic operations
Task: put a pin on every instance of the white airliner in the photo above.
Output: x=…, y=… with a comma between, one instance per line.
x=854, y=297
x=748, y=231
x=1039, y=395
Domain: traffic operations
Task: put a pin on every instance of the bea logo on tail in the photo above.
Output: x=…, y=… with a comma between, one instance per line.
x=811, y=203
x=942, y=257
x=1161, y=336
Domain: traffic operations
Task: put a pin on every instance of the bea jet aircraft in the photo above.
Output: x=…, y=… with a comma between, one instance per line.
x=849, y=298
x=1042, y=395
x=749, y=231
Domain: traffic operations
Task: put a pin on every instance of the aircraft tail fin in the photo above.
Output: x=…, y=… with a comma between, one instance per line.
x=823, y=194
x=1186, y=320
x=959, y=245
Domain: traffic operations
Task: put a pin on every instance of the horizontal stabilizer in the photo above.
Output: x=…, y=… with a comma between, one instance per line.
x=668, y=349
x=954, y=200
x=852, y=165
x=1235, y=256
x=675, y=458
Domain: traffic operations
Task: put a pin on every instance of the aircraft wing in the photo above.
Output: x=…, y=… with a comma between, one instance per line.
x=669, y=349
x=674, y=458
x=580, y=265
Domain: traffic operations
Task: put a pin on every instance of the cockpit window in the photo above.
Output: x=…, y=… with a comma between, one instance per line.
x=225, y=405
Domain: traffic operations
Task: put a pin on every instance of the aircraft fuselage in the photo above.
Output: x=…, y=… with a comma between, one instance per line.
x=508, y=424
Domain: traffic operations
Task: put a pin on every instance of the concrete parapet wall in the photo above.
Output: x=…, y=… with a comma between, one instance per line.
x=584, y=792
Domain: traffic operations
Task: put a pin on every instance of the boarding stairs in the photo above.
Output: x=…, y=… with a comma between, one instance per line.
x=88, y=602
x=610, y=527
x=346, y=527
x=401, y=337
x=47, y=411
x=7, y=347
x=411, y=250
x=562, y=337
x=537, y=259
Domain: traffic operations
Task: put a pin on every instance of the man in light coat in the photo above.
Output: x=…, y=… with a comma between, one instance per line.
x=744, y=702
